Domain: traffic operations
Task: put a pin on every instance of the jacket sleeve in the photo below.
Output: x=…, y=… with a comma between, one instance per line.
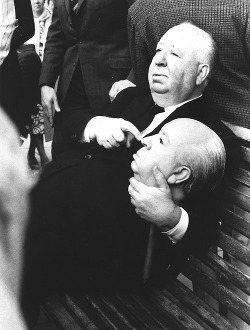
x=55, y=47
x=170, y=258
x=131, y=104
x=74, y=123
x=26, y=27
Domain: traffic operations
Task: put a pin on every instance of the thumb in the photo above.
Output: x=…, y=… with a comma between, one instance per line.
x=112, y=93
x=56, y=105
x=130, y=138
x=160, y=178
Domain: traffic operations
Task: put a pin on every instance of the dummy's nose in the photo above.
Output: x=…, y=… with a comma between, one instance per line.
x=147, y=142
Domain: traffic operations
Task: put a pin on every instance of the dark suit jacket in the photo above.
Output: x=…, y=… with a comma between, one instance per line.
x=11, y=93
x=228, y=22
x=98, y=39
x=85, y=191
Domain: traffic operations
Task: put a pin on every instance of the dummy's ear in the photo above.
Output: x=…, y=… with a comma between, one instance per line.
x=202, y=74
x=180, y=174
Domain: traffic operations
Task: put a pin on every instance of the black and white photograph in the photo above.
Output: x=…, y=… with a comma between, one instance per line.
x=124, y=164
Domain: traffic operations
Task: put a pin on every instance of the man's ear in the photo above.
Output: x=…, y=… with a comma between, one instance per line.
x=180, y=174
x=202, y=73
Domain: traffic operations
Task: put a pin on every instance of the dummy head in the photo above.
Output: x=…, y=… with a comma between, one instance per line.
x=184, y=60
x=188, y=153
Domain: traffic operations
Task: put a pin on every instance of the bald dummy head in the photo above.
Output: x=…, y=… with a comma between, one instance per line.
x=188, y=153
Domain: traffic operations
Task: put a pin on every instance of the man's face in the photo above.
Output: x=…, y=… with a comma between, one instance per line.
x=174, y=68
x=37, y=5
x=159, y=150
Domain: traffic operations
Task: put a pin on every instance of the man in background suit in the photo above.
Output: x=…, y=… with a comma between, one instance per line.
x=87, y=46
x=11, y=92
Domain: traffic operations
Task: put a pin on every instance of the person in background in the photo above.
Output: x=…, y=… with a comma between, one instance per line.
x=31, y=71
x=8, y=23
x=87, y=46
x=50, y=5
x=15, y=184
x=11, y=87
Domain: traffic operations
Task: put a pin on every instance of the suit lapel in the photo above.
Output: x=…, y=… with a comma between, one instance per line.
x=192, y=109
x=80, y=2
x=67, y=5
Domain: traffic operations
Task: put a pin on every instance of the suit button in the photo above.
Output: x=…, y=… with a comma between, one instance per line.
x=80, y=42
x=87, y=156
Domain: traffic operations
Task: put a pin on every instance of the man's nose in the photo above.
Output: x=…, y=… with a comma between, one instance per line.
x=161, y=59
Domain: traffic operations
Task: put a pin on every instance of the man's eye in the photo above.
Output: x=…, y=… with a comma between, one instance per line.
x=173, y=53
x=157, y=50
x=161, y=141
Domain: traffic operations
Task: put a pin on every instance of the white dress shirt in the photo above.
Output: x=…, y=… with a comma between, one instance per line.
x=8, y=23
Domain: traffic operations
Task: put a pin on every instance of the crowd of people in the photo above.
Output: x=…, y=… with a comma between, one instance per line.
x=147, y=100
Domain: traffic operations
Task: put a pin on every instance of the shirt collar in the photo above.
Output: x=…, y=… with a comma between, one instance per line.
x=172, y=108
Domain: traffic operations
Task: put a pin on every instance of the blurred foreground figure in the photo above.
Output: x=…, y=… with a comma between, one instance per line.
x=14, y=190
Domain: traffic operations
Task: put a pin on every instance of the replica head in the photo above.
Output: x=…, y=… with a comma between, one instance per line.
x=15, y=183
x=184, y=61
x=189, y=154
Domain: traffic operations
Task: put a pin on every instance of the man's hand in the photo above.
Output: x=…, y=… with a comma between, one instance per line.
x=111, y=132
x=119, y=86
x=155, y=204
x=49, y=102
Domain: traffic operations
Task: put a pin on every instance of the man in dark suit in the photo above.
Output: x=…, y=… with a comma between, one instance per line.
x=227, y=21
x=82, y=216
x=87, y=46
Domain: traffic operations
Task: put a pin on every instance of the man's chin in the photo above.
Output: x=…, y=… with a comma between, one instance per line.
x=160, y=97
